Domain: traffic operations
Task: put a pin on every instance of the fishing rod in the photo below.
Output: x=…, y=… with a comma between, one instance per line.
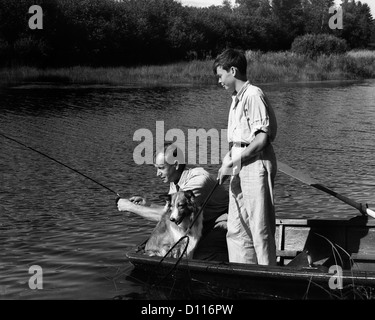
x=63, y=164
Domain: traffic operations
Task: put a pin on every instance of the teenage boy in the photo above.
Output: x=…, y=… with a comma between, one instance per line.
x=251, y=162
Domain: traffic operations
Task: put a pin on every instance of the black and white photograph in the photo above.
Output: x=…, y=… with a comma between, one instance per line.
x=187, y=157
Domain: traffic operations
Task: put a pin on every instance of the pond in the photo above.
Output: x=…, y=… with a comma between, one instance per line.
x=55, y=218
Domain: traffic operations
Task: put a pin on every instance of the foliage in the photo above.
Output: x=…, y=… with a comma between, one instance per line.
x=290, y=18
x=132, y=32
x=313, y=45
x=316, y=16
x=358, y=24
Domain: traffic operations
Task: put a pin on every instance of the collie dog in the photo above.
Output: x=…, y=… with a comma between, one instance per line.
x=179, y=212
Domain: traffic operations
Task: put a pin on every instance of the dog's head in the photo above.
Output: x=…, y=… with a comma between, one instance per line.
x=182, y=206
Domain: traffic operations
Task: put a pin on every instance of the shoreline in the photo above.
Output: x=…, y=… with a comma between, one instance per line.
x=263, y=68
x=69, y=85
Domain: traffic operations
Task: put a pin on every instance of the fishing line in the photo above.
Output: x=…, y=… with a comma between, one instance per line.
x=59, y=162
x=203, y=206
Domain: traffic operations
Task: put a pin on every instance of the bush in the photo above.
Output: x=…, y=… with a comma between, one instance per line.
x=313, y=45
x=29, y=51
x=4, y=52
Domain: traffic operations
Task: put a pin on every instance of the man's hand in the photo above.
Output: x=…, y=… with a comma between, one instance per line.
x=141, y=207
x=128, y=205
x=124, y=205
x=139, y=200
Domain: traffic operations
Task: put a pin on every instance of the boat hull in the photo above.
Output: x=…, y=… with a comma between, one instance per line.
x=304, y=270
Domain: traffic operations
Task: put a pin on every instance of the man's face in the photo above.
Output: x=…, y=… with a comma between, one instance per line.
x=167, y=172
x=226, y=78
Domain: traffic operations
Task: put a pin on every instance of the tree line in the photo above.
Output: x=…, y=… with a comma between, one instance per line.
x=132, y=32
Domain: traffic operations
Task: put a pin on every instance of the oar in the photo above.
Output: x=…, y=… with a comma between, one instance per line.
x=303, y=177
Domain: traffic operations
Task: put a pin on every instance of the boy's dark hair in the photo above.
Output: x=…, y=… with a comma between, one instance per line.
x=231, y=58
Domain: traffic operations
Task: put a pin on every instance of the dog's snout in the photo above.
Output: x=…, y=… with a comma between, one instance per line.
x=174, y=215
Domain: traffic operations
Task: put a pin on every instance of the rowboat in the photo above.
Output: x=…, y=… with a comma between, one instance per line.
x=316, y=259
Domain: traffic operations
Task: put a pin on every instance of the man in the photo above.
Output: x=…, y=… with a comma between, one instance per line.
x=252, y=163
x=170, y=165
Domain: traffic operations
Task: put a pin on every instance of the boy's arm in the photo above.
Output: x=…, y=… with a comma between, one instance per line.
x=150, y=211
x=257, y=113
x=260, y=141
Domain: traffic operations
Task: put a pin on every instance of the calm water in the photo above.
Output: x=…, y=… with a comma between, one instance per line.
x=52, y=217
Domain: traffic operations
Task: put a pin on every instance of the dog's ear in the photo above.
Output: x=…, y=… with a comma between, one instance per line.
x=165, y=197
x=189, y=195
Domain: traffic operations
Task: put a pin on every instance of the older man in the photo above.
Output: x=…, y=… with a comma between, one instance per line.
x=170, y=167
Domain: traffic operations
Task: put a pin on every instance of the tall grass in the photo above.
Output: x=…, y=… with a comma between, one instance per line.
x=263, y=67
x=184, y=72
x=289, y=66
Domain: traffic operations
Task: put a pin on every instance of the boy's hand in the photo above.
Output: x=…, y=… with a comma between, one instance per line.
x=222, y=175
x=226, y=169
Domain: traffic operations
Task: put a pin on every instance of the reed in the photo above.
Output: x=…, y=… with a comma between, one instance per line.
x=183, y=72
x=289, y=66
x=263, y=67
x=351, y=291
